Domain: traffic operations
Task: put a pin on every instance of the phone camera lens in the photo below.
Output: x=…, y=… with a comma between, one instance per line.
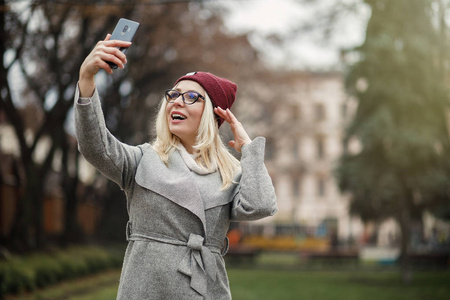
x=125, y=29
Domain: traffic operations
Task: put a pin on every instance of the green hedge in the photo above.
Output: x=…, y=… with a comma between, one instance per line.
x=26, y=273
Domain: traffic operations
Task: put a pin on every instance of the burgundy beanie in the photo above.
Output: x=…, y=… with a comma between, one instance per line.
x=221, y=91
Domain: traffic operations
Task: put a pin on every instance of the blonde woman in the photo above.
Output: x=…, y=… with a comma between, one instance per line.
x=183, y=189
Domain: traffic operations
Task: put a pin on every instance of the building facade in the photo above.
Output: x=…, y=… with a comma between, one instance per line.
x=303, y=116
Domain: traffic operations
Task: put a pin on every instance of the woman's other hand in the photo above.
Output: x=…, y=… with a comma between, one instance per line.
x=104, y=52
x=241, y=137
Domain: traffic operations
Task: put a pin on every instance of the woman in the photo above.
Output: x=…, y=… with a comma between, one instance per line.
x=183, y=189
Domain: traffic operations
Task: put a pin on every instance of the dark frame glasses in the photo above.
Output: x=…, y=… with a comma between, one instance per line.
x=189, y=97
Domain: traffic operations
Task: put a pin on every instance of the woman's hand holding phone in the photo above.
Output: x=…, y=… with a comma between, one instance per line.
x=105, y=51
x=108, y=55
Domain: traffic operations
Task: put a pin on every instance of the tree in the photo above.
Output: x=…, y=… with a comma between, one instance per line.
x=46, y=57
x=403, y=167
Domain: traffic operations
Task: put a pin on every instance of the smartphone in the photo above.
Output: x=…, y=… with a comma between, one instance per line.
x=124, y=31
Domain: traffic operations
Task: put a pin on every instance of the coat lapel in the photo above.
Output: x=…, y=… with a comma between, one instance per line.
x=173, y=182
x=211, y=190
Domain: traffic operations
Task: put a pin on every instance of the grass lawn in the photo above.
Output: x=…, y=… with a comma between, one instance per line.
x=248, y=284
x=345, y=285
x=102, y=286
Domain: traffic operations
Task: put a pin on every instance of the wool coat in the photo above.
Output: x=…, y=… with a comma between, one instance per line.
x=178, y=219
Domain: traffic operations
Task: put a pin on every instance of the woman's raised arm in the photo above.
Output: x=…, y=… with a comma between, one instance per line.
x=104, y=51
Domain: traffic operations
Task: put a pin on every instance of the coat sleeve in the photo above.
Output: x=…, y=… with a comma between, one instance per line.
x=255, y=196
x=112, y=158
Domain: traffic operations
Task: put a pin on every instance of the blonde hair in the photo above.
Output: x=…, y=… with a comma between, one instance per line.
x=210, y=149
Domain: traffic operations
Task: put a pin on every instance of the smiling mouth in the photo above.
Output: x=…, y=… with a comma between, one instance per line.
x=178, y=117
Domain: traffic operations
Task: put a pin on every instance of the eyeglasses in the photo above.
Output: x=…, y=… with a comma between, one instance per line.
x=188, y=98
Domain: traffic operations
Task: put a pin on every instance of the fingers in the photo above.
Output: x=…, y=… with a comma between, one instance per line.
x=240, y=135
x=105, y=66
x=112, y=47
x=116, y=43
x=114, y=55
x=227, y=115
x=106, y=52
x=101, y=58
x=220, y=112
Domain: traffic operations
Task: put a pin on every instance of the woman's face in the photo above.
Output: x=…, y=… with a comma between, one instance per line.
x=184, y=119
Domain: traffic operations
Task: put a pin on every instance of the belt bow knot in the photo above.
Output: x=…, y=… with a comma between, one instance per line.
x=198, y=263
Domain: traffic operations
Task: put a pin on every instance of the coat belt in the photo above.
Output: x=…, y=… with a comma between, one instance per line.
x=198, y=263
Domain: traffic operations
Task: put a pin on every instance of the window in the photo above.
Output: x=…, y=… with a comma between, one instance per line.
x=295, y=111
x=296, y=148
x=320, y=112
x=344, y=110
x=320, y=146
x=296, y=187
x=321, y=186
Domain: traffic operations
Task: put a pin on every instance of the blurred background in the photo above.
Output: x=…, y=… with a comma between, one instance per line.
x=351, y=95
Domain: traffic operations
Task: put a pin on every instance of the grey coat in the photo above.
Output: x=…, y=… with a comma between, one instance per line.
x=178, y=219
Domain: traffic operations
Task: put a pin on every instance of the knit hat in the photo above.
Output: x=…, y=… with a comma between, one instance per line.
x=221, y=91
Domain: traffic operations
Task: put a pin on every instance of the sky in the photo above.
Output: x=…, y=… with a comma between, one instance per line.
x=308, y=49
